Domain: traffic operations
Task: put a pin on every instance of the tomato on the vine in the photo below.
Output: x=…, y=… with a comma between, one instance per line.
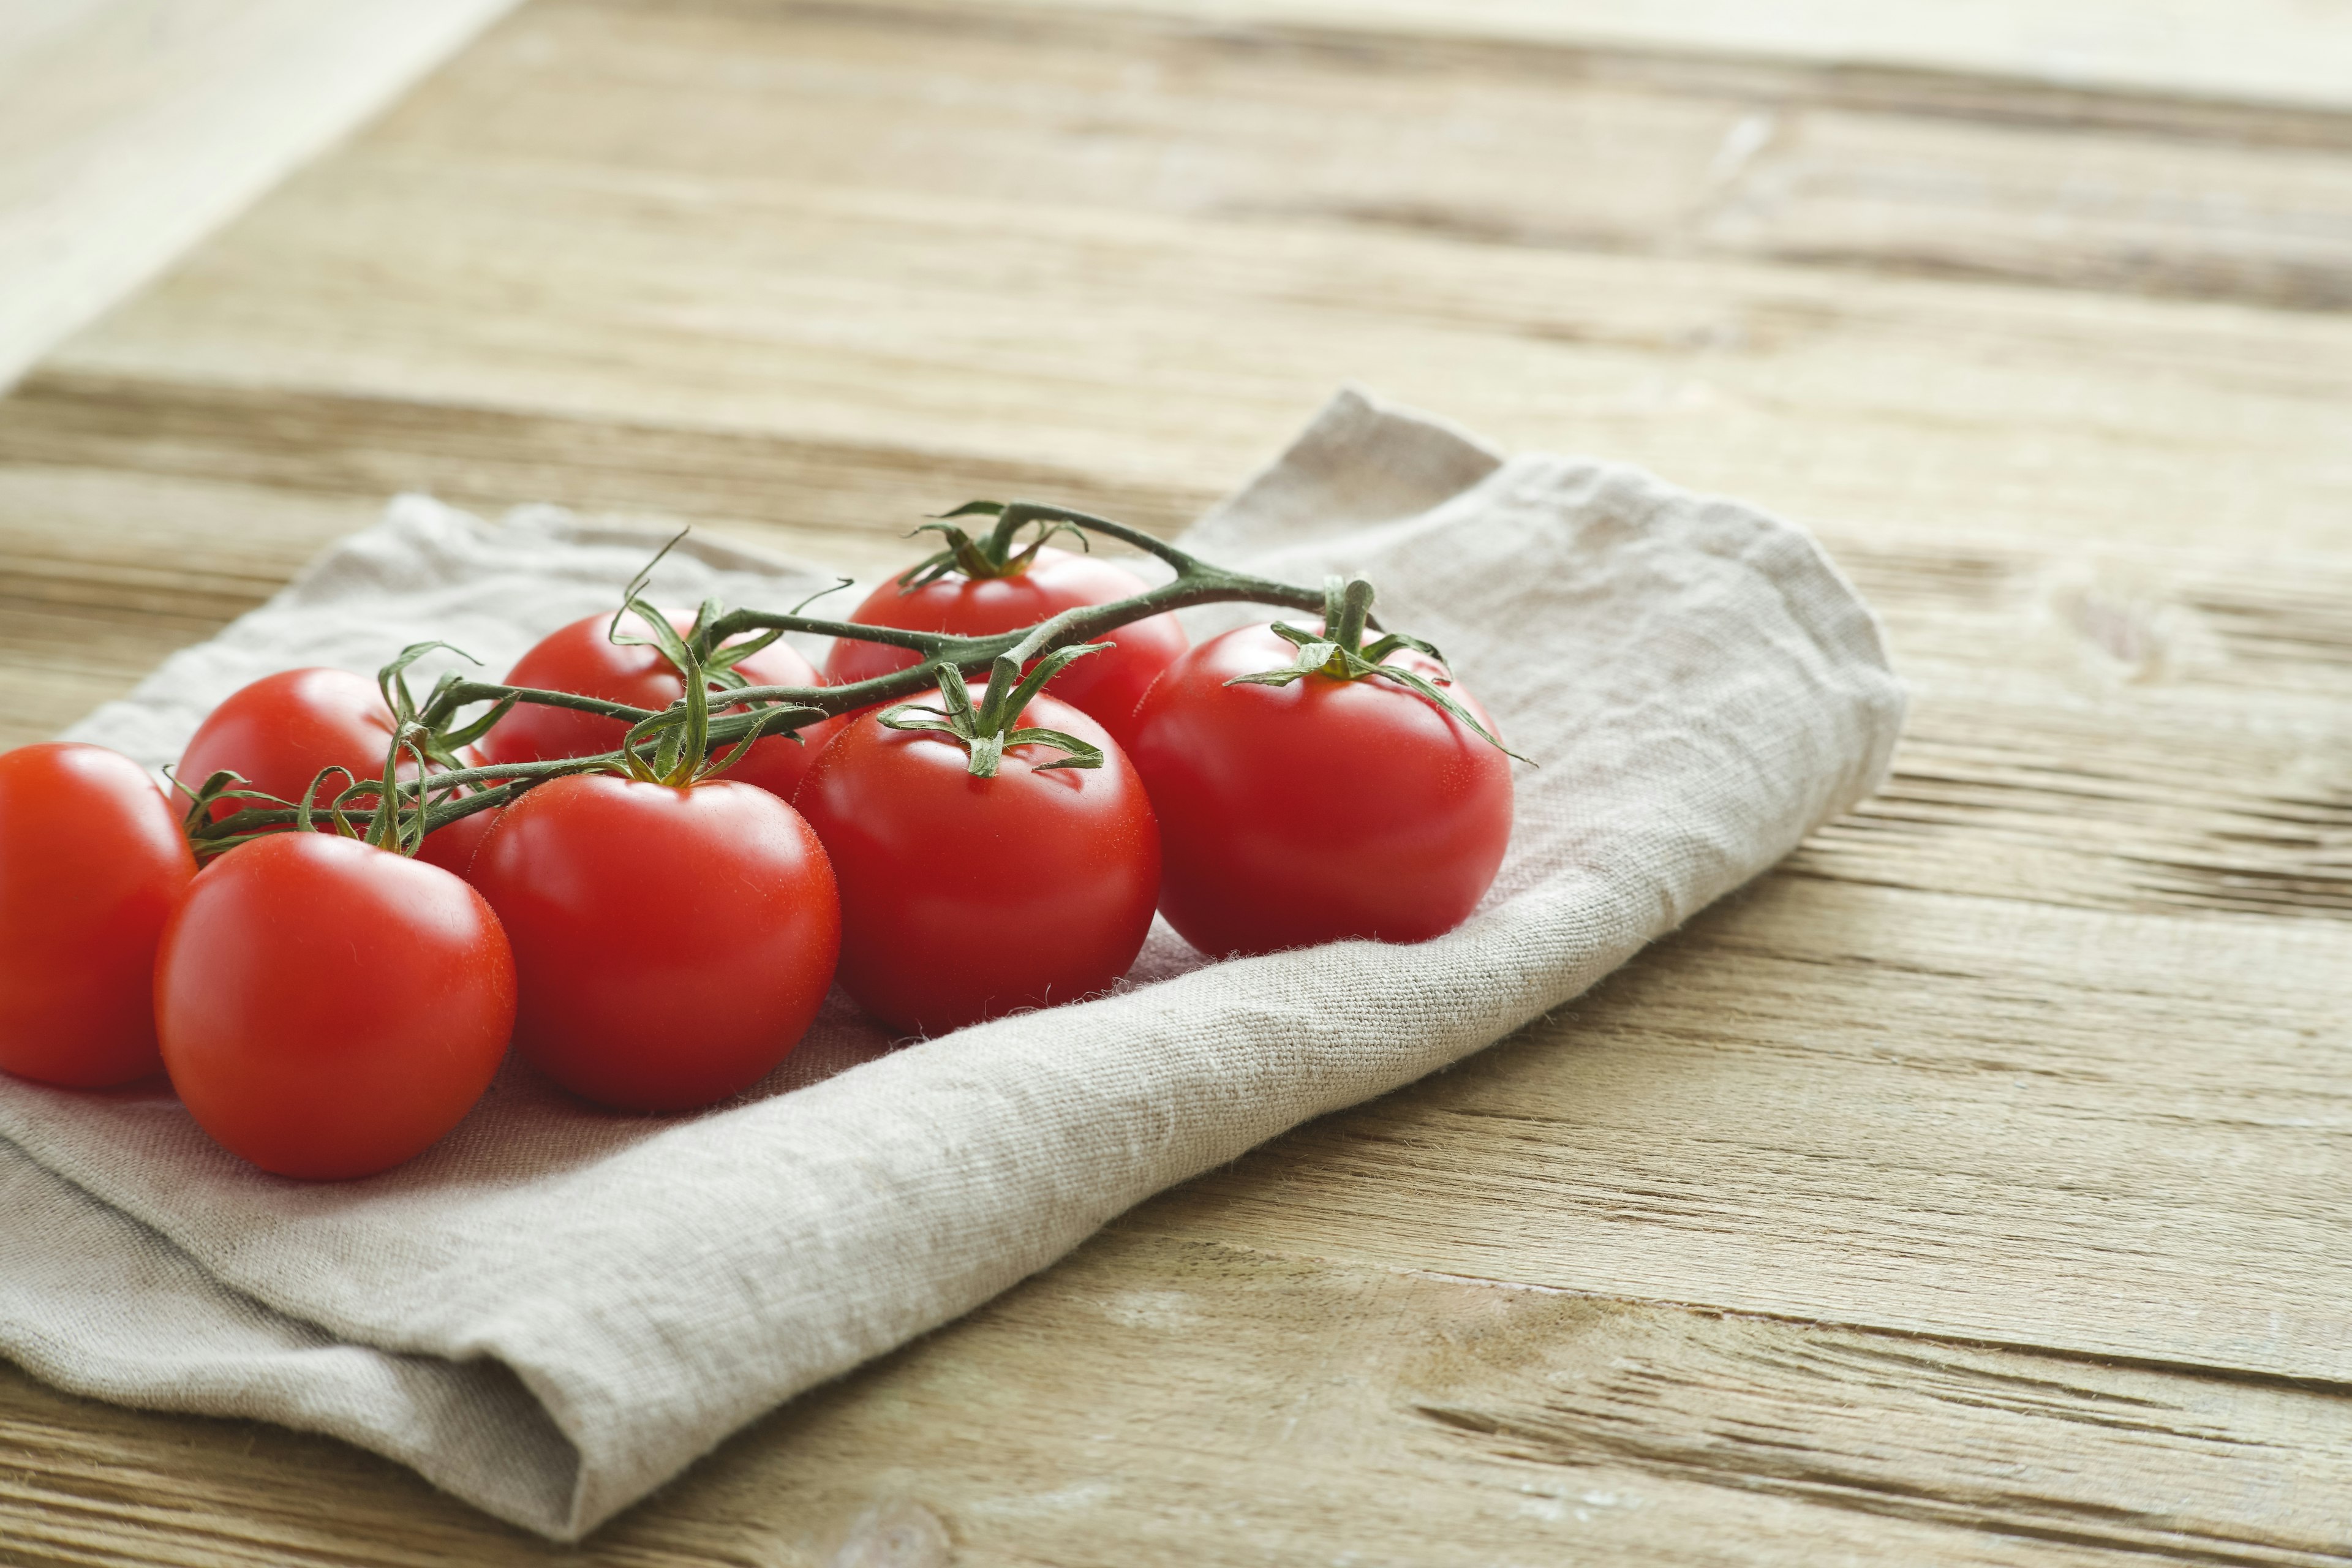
x=1320, y=808
x=673, y=943
x=281, y=732
x=1106, y=686
x=583, y=658
x=964, y=897
x=91, y=861
x=328, y=1009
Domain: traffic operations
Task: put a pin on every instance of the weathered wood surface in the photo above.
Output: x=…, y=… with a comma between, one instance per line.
x=1972, y=1189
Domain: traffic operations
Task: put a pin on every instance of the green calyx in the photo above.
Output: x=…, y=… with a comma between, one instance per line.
x=990, y=555
x=985, y=730
x=673, y=747
x=1338, y=653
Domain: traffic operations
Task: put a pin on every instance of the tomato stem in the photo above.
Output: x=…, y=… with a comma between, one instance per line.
x=986, y=730
x=991, y=554
x=1336, y=654
x=674, y=745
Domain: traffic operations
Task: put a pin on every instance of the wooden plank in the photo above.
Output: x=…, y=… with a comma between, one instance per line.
x=129, y=129
x=126, y=132
x=1068, y=337
x=292, y=443
x=1565, y=145
x=2122, y=729
x=2143, y=210
x=104, y=573
x=1195, y=1403
x=1988, y=1119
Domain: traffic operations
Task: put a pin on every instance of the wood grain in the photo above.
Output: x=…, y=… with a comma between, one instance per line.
x=1303, y=1411
x=1969, y=1190
x=1911, y=1111
x=1559, y=145
x=881, y=318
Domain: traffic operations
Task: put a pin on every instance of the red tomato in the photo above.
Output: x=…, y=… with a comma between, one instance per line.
x=91, y=861
x=581, y=659
x=328, y=1009
x=1302, y=813
x=283, y=729
x=963, y=898
x=1106, y=686
x=673, y=944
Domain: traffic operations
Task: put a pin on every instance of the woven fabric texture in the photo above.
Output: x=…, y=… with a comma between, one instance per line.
x=555, y=1309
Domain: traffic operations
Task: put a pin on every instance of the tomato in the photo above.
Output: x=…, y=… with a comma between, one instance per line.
x=1106, y=686
x=91, y=861
x=673, y=944
x=328, y=1009
x=282, y=729
x=1322, y=809
x=965, y=897
x=583, y=658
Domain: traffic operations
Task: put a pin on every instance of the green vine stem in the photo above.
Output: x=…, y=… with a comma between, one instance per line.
x=985, y=730
x=674, y=744
x=1338, y=653
x=991, y=554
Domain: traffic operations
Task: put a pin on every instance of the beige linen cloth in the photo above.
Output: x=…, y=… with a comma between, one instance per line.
x=557, y=1309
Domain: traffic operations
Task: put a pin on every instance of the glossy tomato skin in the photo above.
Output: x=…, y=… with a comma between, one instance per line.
x=673, y=944
x=1107, y=686
x=282, y=729
x=964, y=899
x=328, y=1009
x=580, y=658
x=1323, y=809
x=91, y=861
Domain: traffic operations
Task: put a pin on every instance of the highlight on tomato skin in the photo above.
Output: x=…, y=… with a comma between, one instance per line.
x=583, y=658
x=327, y=1009
x=91, y=863
x=965, y=898
x=672, y=944
x=1107, y=686
x=1319, y=810
x=281, y=730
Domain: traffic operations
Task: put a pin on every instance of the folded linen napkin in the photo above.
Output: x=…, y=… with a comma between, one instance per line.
x=557, y=1309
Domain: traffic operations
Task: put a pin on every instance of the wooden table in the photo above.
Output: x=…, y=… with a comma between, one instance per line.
x=1973, y=1188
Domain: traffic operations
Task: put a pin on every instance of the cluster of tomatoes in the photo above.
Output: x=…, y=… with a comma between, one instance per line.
x=328, y=1006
